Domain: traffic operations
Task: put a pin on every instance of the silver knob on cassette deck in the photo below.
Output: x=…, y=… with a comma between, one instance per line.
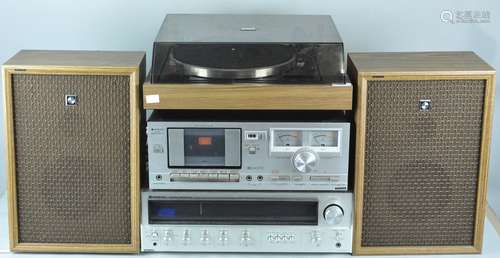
x=305, y=160
x=333, y=214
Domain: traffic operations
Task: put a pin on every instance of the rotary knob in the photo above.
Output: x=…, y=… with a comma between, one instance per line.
x=305, y=160
x=333, y=214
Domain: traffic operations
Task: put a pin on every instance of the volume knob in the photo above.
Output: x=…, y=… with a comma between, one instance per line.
x=333, y=214
x=305, y=160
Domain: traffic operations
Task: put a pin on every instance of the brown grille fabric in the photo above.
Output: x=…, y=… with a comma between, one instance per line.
x=421, y=168
x=72, y=162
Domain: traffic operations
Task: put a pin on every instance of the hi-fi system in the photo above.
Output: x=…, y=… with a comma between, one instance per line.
x=249, y=137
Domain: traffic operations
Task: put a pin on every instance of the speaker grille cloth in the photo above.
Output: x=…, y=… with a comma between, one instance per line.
x=72, y=162
x=421, y=168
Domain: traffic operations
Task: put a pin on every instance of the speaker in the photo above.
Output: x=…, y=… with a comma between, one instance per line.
x=72, y=131
x=423, y=129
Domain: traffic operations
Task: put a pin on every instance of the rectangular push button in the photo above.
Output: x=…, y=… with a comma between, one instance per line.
x=223, y=178
x=280, y=178
x=320, y=178
x=213, y=177
x=234, y=177
x=198, y=177
x=177, y=177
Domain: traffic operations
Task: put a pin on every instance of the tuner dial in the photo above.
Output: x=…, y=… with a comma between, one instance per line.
x=305, y=160
x=333, y=214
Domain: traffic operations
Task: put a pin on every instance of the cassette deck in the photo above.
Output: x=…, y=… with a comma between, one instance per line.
x=195, y=155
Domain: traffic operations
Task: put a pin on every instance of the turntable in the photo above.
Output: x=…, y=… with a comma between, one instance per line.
x=213, y=61
x=233, y=62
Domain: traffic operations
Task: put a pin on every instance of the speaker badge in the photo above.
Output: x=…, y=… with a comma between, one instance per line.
x=71, y=100
x=425, y=105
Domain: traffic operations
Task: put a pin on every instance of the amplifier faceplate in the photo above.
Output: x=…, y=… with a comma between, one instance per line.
x=291, y=237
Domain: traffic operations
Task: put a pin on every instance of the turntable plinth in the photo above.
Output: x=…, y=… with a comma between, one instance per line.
x=245, y=96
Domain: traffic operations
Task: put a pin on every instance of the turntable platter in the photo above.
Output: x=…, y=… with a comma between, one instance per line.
x=233, y=61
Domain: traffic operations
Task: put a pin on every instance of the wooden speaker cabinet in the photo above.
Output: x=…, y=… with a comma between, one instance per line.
x=72, y=131
x=423, y=129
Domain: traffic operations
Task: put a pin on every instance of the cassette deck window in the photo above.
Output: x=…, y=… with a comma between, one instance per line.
x=204, y=147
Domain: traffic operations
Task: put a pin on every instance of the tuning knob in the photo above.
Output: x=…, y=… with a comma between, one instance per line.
x=305, y=160
x=333, y=214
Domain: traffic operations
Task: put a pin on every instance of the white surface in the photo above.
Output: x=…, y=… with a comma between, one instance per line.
x=494, y=191
x=375, y=25
x=491, y=247
x=4, y=231
x=494, y=194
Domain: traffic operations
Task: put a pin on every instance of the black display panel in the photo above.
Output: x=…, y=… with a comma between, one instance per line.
x=231, y=212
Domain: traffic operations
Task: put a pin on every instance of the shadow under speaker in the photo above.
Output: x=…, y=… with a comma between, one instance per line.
x=72, y=128
x=423, y=129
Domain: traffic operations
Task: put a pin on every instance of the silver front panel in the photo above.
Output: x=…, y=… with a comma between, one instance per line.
x=266, y=163
x=319, y=238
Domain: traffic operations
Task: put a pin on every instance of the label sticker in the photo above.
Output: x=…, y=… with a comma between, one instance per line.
x=150, y=99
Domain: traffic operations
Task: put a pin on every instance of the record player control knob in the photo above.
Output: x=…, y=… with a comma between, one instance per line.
x=305, y=160
x=333, y=214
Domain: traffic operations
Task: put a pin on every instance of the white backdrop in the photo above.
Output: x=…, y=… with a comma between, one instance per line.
x=370, y=25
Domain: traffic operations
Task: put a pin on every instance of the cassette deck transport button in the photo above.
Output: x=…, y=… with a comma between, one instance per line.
x=234, y=177
x=224, y=177
x=198, y=177
x=213, y=177
x=204, y=176
x=184, y=177
x=174, y=176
